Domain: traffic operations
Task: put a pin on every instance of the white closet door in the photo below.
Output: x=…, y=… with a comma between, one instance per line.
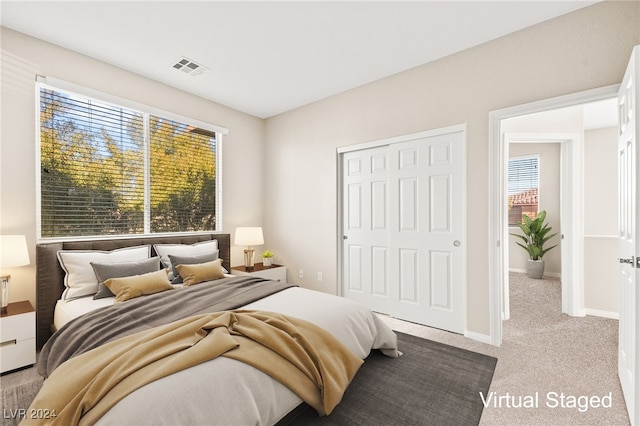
x=403, y=223
x=427, y=219
x=366, y=228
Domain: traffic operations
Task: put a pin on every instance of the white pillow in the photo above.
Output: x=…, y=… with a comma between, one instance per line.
x=80, y=279
x=164, y=250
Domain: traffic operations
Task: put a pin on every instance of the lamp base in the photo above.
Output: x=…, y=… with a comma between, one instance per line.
x=249, y=256
x=5, y=292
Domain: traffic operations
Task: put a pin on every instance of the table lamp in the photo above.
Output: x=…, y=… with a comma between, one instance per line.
x=249, y=236
x=13, y=253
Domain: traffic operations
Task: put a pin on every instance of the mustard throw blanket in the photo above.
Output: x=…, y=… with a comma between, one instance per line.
x=301, y=355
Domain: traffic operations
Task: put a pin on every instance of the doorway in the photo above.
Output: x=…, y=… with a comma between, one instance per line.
x=498, y=153
x=553, y=193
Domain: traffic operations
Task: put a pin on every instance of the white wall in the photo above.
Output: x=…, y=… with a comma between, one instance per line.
x=24, y=57
x=579, y=51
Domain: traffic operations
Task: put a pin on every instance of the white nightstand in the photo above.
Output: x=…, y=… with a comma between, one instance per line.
x=17, y=336
x=274, y=272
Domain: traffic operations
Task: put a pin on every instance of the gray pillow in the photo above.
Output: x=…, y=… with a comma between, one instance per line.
x=104, y=271
x=189, y=260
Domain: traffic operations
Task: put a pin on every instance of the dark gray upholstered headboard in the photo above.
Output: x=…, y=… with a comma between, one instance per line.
x=50, y=276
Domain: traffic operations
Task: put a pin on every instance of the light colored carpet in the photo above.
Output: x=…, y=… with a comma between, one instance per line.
x=545, y=351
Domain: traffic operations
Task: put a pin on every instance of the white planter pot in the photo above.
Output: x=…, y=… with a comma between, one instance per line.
x=535, y=268
x=266, y=261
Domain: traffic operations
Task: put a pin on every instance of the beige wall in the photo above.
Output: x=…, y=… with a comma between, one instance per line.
x=549, y=200
x=296, y=166
x=601, y=291
x=601, y=182
x=25, y=57
x=579, y=51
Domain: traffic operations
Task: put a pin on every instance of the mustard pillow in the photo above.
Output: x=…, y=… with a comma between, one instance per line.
x=126, y=288
x=194, y=274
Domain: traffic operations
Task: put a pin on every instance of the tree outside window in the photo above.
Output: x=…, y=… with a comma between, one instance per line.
x=109, y=170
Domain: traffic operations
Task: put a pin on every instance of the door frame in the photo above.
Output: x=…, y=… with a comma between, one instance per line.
x=497, y=226
x=340, y=151
x=571, y=201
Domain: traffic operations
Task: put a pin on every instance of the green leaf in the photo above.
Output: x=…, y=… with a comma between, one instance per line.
x=546, y=250
x=525, y=229
x=535, y=252
x=544, y=240
x=522, y=237
x=541, y=216
x=536, y=234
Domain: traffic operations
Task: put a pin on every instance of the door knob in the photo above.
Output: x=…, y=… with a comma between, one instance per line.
x=456, y=243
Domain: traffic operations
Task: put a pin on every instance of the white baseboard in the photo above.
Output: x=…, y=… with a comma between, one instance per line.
x=603, y=314
x=484, y=338
x=546, y=274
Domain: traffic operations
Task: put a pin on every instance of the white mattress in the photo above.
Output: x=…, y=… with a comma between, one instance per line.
x=66, y=310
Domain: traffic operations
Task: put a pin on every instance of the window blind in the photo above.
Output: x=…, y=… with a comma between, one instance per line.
x=183, y=178
x=110, y=170
x=523, y=181
x=523, y=174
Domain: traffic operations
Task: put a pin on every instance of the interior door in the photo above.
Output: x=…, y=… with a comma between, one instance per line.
x=427, y=215
x=629, y=243
x=366, y=228
x=403, y=229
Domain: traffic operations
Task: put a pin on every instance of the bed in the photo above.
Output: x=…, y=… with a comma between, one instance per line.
x=221, y=390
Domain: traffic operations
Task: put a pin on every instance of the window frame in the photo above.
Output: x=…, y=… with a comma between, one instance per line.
x=84, y=92
x=521, y=157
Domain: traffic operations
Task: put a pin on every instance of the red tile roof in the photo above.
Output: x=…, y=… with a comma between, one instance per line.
x=524, y=198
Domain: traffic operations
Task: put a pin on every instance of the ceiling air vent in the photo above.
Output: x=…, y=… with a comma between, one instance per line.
x=189, y=66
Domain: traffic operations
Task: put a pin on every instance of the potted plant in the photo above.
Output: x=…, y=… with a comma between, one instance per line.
x=267, y=257
x=536, y=234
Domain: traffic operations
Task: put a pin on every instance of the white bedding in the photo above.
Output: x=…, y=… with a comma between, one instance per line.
x=66, y=310
x=223, y=391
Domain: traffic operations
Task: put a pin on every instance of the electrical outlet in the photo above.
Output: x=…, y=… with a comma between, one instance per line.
x=300, y=273
x=319, y=276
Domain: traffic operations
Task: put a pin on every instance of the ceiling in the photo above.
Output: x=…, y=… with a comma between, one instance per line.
x=265, y=58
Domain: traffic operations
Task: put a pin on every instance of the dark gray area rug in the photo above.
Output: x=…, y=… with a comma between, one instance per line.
x=430, y=384
x=16, y=398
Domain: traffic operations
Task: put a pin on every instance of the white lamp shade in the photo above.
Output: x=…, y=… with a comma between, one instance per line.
x=13, y=251
x=249, y=236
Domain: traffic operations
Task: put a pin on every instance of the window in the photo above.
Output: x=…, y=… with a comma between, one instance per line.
x=523, y=177
x=107, y=169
